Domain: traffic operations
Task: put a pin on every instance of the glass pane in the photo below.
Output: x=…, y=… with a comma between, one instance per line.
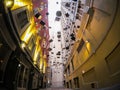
x=25, y=78
x=23, y=20
x=20, y=81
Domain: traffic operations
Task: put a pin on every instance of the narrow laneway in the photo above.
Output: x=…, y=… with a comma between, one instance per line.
x=59, y=44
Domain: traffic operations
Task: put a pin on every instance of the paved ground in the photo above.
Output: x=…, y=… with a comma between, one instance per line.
x=56, y=89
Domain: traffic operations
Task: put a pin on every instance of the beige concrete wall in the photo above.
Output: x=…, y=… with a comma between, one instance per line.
x=101, y=66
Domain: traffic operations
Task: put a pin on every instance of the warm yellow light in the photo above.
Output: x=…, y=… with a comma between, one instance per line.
x=87, y=41
x=44, y=68
x=45, y=63
x=9, y=3
x=37, y=41
x=37, y=52
x=23, y=45
x=88, y=46
x=40, y=17
x=35, y=62
x=27, y=36
x=28, y=33
x=41, y=63
x=86, y=54
x=44, y=56
x=19, y=3
x=35, y=55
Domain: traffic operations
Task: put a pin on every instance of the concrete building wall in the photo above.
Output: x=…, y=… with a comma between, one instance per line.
x=96, y=61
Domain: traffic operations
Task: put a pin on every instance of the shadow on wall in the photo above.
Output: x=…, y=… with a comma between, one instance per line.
x=115, y=87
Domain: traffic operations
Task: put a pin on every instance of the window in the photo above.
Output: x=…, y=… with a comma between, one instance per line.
x=25, y=78
x=67, y=84
x=89, y=76
x=4, y=52
x=80, y=45
x=38, y=59
x=20, y=80
x=21, y=19
x=1, y=51
x=22, y=76
x=76, y=82
x=112, y=60
x=72, y=63
x=70, y=82
x=31, y=45
x=68, y=70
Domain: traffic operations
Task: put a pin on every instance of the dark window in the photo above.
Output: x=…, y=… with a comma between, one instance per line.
x=20, y=80
x=10, y=74
x=4, y=52
x=70, y=83
x=76, y=82
x=31, y=45
x=22, y=76
x=22, y=18
x=68, y=70
x=67, y=85
x=80, y=45
x=72, y=63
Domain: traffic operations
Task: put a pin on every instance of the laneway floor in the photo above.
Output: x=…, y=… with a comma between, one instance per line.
x=56, y=89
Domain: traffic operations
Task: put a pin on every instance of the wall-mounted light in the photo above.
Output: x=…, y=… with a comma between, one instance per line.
x=19, y=65
x=87, y=41
x=9, y=3
x=83, y=71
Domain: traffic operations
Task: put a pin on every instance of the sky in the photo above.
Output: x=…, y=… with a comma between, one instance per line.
x=53, y=6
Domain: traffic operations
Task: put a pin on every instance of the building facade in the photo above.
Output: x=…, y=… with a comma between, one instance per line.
x=23, y=61
x=94, y=61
